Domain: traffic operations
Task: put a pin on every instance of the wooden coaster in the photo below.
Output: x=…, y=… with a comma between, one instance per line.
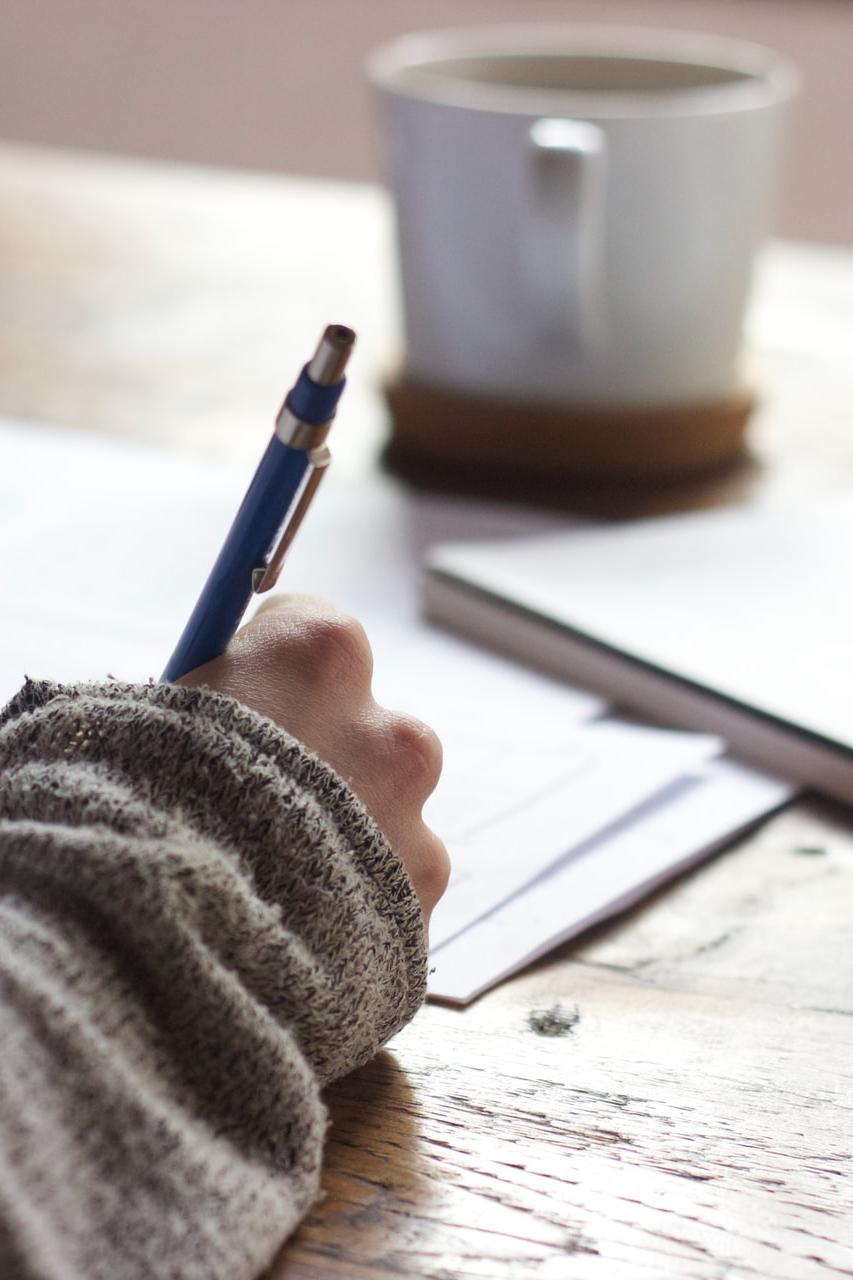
x=543, y=452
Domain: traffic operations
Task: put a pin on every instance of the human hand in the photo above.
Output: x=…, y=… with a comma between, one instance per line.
x=308, y=667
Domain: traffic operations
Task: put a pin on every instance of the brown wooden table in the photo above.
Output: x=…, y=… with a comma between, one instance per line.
x=696, y=1121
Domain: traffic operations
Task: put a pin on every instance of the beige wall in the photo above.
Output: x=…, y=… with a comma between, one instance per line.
x=278, y=84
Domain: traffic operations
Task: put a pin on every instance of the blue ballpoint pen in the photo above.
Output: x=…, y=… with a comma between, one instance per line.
x=271, y=512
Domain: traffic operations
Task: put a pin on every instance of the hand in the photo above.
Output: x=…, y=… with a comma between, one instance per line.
x=308, y=667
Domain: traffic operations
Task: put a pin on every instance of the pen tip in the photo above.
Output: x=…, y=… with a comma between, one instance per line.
x=330, y=359
x=339, y=335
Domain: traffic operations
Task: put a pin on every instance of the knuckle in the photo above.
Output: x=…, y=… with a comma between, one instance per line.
x=415, y=750
x=439, y=867
x=433, y=871
x=332, y=648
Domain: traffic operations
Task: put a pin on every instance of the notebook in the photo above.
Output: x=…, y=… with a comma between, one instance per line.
x=737, y=622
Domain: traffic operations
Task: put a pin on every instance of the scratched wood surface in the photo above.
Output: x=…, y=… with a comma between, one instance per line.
x=690, y=1114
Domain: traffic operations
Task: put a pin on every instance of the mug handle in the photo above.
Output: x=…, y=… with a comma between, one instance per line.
x=566, y=231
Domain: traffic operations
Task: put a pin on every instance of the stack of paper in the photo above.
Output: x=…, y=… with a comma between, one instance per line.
x=555, y=812
x=678, y=826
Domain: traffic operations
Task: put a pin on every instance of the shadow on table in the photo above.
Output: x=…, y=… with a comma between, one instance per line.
x=371, y=1178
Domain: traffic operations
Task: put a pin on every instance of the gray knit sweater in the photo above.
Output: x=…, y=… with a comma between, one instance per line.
x=200, y=926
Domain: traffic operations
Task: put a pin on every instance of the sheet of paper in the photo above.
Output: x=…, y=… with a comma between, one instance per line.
x=468, y=696
x=698, y=815
x=99, y=562
x=105, y=544
x=507, y=817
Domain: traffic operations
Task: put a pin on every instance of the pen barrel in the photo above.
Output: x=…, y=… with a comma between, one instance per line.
x=250, y=540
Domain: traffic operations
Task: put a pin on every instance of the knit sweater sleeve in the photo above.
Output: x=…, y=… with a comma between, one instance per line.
x=200, y=926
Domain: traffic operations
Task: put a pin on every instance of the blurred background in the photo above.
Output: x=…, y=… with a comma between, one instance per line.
x=279, y=84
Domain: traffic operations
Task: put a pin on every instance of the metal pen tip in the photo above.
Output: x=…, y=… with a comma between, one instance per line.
x=327, y=365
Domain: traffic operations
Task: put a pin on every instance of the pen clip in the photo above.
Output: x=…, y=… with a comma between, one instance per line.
x=265, y=578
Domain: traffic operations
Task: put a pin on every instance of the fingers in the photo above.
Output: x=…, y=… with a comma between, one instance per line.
x=308, y=666
x=409, y=751
x=400, y=762
x=321, y=641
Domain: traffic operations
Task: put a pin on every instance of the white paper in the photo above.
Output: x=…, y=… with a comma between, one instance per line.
x=699, y=814
x=468, y=696
x=110, y=542
x=517, y=814
x=104, y=547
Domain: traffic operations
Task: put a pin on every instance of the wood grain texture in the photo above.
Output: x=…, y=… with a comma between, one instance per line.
x=696, y=1120
x=695, y=1123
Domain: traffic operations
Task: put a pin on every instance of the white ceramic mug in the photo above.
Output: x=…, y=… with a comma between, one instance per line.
x=578, y=209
